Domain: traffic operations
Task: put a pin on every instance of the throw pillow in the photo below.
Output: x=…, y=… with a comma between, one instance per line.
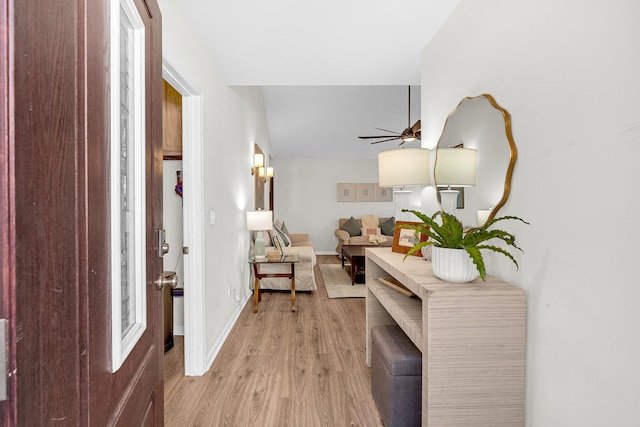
x=277, y=240
x=352, y=227
x=370, y=231
x=280, y=228
x=388, y=226
x=284, y=230
x=286, y=239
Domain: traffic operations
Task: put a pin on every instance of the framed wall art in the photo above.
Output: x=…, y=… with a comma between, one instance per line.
x=346, y=192
x=384, y=194
x=365, y=192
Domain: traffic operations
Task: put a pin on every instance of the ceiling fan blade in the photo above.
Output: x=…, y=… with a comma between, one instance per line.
x=387, y=130
x=419, y=134
x=416, y=127
x=382, y=136
x=385, y=140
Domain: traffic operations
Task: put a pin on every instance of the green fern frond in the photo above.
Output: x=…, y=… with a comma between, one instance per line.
x=503, y=218
x=500, y=251
x=424, y=230
x=476, y=256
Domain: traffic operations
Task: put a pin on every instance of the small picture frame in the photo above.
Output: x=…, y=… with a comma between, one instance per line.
x=404, y=238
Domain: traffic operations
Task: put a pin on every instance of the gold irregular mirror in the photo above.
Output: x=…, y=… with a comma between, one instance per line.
x=479, y=123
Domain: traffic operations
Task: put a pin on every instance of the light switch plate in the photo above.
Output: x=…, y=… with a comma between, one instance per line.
x=212, y=218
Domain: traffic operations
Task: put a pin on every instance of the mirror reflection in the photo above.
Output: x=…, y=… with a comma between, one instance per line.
x=479, y=123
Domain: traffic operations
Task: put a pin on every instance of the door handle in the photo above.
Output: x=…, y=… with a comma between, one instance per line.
x=166, y=278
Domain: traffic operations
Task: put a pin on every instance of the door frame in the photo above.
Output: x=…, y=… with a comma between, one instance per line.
x=193, y=220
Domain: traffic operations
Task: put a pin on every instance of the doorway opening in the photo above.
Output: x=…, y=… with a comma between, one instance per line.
x=192, y=221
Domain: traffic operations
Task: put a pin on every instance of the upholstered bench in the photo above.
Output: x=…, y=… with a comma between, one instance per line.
x=396, y=376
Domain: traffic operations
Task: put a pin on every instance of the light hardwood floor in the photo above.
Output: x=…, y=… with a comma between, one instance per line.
x=279, y=368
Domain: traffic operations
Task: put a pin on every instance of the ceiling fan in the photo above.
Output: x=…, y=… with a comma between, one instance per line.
x=411, y=133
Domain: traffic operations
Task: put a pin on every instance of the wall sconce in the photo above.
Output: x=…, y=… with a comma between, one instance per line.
x=264, y=177
x=455, y=167
x=258, y=162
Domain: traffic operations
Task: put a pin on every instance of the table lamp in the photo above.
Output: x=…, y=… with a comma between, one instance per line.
x=455, y=167
x=403, y=167
x=259, y=221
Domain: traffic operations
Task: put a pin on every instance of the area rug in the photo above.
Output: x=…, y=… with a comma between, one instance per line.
x=338, y=282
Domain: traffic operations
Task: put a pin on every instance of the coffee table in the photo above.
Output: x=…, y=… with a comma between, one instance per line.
x=354, y=254
x=291, y=259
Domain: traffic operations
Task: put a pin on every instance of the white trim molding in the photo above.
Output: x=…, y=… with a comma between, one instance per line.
x=193, y=198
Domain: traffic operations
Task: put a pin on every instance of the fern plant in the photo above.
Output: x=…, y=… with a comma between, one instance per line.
x=450, y=233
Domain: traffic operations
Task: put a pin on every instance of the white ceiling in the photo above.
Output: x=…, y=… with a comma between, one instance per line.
x=332, y=69
x=325, y=121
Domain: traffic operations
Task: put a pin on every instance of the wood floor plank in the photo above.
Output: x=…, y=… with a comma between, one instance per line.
x=279, y=368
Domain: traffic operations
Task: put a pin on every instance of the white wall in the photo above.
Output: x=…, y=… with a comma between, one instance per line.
x=568, y=74
x=233, y=121
x=172, y=222
x=306, y=197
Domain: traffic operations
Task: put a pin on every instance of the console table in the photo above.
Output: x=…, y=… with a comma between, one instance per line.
x=472, y=339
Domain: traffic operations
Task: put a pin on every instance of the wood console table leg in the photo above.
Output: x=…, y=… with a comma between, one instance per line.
x=256, y=295
x=293, y=288
x=256, y=289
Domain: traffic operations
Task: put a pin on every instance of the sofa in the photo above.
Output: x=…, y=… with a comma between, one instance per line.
x=349, y=232
x=304, y=269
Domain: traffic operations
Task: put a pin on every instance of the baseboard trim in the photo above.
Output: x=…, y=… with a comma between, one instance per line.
x=178, y=330
x=213, y=353
x=326, y=253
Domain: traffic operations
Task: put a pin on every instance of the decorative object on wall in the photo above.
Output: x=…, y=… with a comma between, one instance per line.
x=258, y=162
x=449, y=234
x=384, y=194
x=259, y=221
x=178, y=188
x=404, y=239
x=363, y=192
x=403, y=167
x=264, y=176
x=346, y=192
x=485, y=126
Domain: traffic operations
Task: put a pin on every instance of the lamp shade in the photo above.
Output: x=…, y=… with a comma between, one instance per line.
x=456, y=167
x=482, y=216
x=403, y=167
x=259, y=220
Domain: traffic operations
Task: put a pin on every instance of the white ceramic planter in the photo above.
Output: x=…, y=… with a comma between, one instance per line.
x=453, y=265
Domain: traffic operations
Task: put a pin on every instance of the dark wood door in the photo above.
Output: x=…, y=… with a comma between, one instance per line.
x=55, y=231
